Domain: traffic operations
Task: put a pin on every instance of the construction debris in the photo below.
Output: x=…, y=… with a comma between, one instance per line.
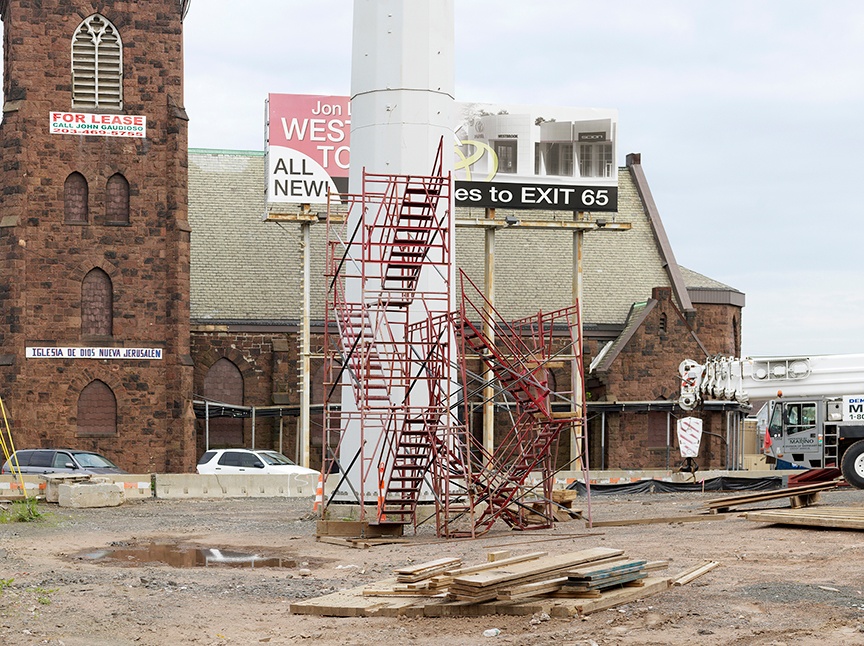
x=694, y=573
x=561, y=585
x=833, y=517
x=803, y=496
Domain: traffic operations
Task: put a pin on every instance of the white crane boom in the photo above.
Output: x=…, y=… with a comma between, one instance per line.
x=731, y=379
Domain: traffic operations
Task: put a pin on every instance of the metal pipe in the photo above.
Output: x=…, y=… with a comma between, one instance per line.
x=206, y=425
x=489, y=331
x=304, y=430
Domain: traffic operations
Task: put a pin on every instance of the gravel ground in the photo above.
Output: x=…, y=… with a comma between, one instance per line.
x=776, y=584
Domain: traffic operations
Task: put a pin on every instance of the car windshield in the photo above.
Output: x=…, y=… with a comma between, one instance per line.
x=271, y=457
x=94, y=461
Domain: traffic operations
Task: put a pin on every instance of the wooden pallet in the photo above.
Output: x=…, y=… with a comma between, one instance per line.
x=798, y=497
x=834, y=517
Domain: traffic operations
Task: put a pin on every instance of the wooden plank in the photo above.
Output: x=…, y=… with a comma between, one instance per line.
x=498, y=555
x=411, y=570
x=836, y=518
x=663, y=519
x=532, y=589
x=656, y=565
x=412, y=574
x=605, y=583
x=695, y=572
x=610, y=599
x=517, y=571
x=731, y=501
x=531, y=556
x=600, y=572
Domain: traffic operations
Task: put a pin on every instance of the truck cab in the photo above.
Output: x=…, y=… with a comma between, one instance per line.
x=814, y=432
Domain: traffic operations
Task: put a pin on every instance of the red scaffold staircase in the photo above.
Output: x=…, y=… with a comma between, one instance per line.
x=520, y=355
x=389, y=335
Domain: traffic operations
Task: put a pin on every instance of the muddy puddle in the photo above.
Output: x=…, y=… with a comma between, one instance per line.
x=184, y=556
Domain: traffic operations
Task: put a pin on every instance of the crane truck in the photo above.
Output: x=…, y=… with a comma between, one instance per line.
x=814, y=416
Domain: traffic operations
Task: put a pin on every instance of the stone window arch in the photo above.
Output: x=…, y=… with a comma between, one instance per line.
x=97, y=65
x=97, y=304
x=223, y=383
x=76, y=196
x=97, y=410
x=117, y=200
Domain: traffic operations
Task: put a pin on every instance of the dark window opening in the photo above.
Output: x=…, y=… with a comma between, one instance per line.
x=97, y=304
x=76, y=195
x=97, y=410
x=117, y=200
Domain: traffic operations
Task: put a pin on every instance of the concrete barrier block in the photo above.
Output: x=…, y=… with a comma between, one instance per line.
x=10, y=487
x=88, y=495
x=54, y=480
x=135, y=486
x=193, y=485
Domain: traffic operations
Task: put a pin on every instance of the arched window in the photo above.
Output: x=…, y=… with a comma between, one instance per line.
x=75, y=198
x=97, y=410
x=97, y=65
x=117, y=200
x=664, y=321
x=97, y=304
x=224, y=383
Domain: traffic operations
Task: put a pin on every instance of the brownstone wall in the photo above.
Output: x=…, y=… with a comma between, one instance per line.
x=43, y=259
x=647, y=370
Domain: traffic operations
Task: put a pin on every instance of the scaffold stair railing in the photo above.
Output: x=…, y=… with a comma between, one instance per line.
x=395, y=357
x=519, y=355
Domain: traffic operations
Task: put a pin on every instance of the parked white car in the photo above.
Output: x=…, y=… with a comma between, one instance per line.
x=222, y=461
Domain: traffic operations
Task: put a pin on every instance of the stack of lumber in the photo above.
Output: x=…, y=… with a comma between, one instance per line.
x=798, y=497
x=563, y=585
x=510, y=580
x=589, y=582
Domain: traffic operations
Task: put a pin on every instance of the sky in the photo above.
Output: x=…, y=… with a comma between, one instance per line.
x=747, y=115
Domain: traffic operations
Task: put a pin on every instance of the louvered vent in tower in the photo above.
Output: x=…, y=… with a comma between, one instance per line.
x=97, y=65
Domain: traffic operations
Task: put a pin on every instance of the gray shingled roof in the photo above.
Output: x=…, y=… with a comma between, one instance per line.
x=245, y=269
x=696, y=280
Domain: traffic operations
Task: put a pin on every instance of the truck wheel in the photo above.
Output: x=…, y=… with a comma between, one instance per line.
x=852, y=465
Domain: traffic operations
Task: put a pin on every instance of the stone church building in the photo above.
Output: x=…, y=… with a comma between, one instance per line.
x=139, y=278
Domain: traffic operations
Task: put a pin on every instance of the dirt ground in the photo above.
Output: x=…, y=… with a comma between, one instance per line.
x=775, y=585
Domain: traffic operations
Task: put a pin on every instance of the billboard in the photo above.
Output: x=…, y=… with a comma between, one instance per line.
x=505, y=156
x=306, y=147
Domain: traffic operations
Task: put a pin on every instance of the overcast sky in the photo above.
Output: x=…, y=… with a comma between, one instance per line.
x=747, y=114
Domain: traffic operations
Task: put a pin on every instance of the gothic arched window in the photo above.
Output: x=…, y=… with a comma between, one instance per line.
x=117, y=200
x=97, y=304
x=224, y=383
x=97, y=410
x=97, y=65
x=76, y=195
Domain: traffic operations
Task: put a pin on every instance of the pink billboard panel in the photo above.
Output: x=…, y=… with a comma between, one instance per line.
x=308, y=147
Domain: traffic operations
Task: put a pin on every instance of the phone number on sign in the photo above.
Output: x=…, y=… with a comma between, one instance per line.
x=104, y=133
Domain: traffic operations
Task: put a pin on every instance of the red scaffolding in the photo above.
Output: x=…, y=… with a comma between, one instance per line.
x=391, y=335
x=390, y=340
x=514, y=482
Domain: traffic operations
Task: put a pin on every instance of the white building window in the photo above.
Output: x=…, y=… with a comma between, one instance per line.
x=596, y=160
x=97, y=65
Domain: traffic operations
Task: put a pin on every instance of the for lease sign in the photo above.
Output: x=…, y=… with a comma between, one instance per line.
x=103, y=125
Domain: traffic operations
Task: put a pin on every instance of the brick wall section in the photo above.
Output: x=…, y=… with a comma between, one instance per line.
x=647, y=370
x=46, y=259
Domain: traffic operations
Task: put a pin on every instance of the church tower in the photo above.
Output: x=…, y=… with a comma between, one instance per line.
x=94, y=234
